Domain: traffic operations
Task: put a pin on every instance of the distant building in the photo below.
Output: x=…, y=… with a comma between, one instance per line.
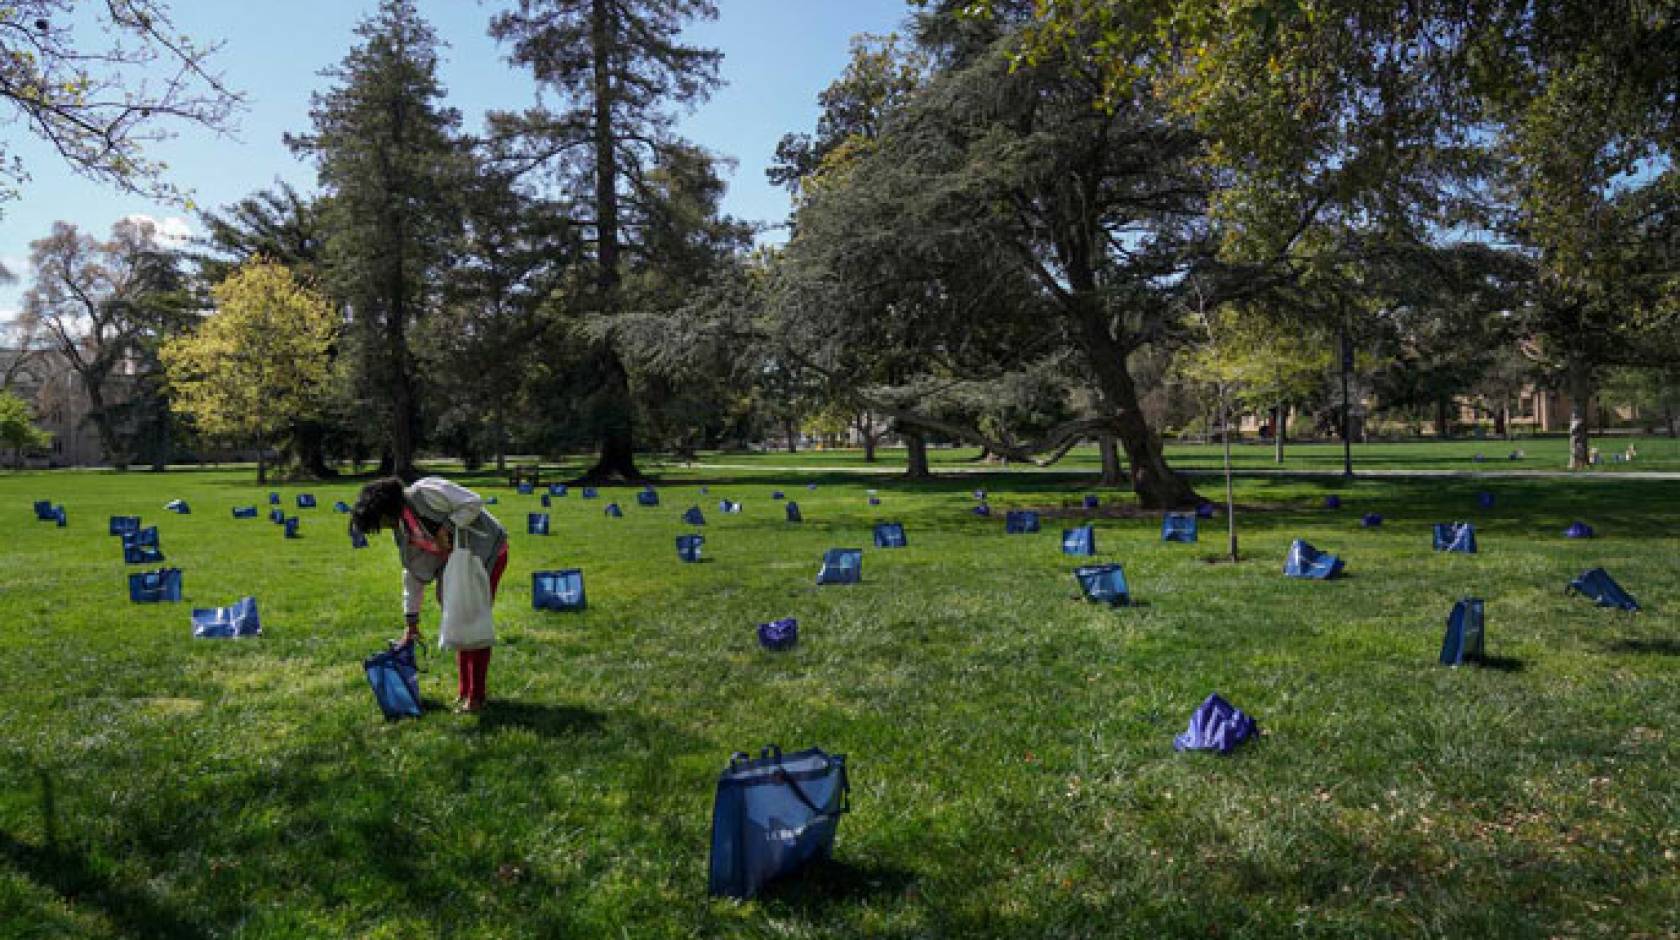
x=44, y=378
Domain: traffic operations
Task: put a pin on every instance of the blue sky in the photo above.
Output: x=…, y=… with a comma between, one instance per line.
x=778, y=54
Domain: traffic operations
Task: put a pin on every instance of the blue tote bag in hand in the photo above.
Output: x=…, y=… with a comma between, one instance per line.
x=395, y=679
x=774, y=815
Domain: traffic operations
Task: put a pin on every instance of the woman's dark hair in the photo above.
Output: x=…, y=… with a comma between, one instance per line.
x=379, y=505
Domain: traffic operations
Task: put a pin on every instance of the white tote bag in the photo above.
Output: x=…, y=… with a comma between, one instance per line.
x=466, y=601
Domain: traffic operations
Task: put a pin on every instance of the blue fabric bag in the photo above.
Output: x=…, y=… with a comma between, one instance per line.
x=778, y=635
x=1484, y=500
x=979, y=496
x=1602, y=589
x=693, y=516
x=305, y=501
x=341, y=506
x=358, y=538
x=244, y=512
x=774, y=815
x=536, y=523
x=647, y=498
x=590, y=492
x=1457, y=537
x=811, y=487
x=874, y=501
x=777, y=494
x=1093, y=501
x=558, y=590
x=705, y=491
x=178, y=506
x=123, y=525
x=277, y=516
x=1216, y=725
x=728, y=506
x=545, y=502
x=134, y=554
x=148, y=587
x=1578, y=530
x=983, y=510
x=1178, y=527
x=60, y=517
x=1370, y=520
x=688, y=547
x=841, y=566
x=274, y=499
x=1463, y=640
x=44, y=510
x=793, y=514
x=524, y=489
x=291, y=526
x=890, y=535
x=1204, y=510
x=146, y=537
x=220, y=623
x=395, y=679
x=557, y=489
x=1332, y=502
x=1020, y=522
x=1103, y=584
x=1080, y=541
x=613, y=512
x=1304, y=561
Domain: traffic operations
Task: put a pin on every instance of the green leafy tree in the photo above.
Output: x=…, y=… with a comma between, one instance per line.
x=17, y=427
x=387, y=155
x=260, y=364
x=617, y=67
x=1261, y=366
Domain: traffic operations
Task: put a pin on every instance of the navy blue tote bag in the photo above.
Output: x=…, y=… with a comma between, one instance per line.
x=395, y=679
x=774, y=815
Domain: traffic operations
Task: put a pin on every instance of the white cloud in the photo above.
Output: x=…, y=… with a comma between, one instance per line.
x=171, y=232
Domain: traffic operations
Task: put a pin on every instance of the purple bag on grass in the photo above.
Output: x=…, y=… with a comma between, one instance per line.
x=779, y=634
x=1216, y=725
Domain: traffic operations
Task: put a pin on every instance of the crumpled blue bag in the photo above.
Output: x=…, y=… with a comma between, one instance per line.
x=1371, y=520
x=1080, y=541
x=557, y=489
x=1178, y=527
x=793, y=513
x=1578, y=530
x=291, y=527
x=150, y=587
x=1484, y=500
x=277, y=516
x=983, y=510
x=779, y=635
x=220, y=623
x=60, y=516
x=1093, y=501
x=772, y=816
x=613, y=512
x=545, y=500
x=890, y=535
x=1103, y=584
x=558, y=590
x=44, y=511
x=728, y=506
x=693, y=516
x=1020, y=522
x=1463, y=641
x=1332, y=501
x=179, y=507
x=340, y=506
x=1602, y=589
x=1216, y=725
x=536, y=523
x=590, y=492
x=395, y=679
x=306, y=501
x=841, y=566
x=1457, y=537
x=647, y=498
x=124, y=525
x=777, y=494
x=688, y=547
x=1204, y=510
x=358, y=538
x=274, y=499
x=244, y=512
x=525, y=489
x=1304, y=561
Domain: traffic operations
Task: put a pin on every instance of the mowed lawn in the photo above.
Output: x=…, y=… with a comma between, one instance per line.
x=1010, y=747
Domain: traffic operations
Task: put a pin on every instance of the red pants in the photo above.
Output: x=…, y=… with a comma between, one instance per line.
x=471, y=665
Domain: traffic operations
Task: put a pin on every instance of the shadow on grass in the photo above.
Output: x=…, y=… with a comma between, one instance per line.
x=1662, y=647
x=1503, y=664
x=550, y=721
x=829, y=882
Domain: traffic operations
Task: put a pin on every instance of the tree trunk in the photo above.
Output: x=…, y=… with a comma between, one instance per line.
x=1230, y=497
x=1442, y=428
x=618, y=448
x=109, y=440
x=1580, y=382
x=916, y=459
x=1157, y=487
x=792, y=438
x=1502, y=420
x=1280, y=418
x=1111, y=469
x=868, y=430
x=500, y=423
x=262, y=461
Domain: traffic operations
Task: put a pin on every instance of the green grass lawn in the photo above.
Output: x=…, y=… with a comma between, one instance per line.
x=1010, y=747
x=1540, y=454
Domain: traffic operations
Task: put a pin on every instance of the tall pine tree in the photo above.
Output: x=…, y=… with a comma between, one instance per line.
x=617, y=68
x=387, y=153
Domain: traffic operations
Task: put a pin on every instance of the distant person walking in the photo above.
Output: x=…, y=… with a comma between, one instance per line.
x=428, y=519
